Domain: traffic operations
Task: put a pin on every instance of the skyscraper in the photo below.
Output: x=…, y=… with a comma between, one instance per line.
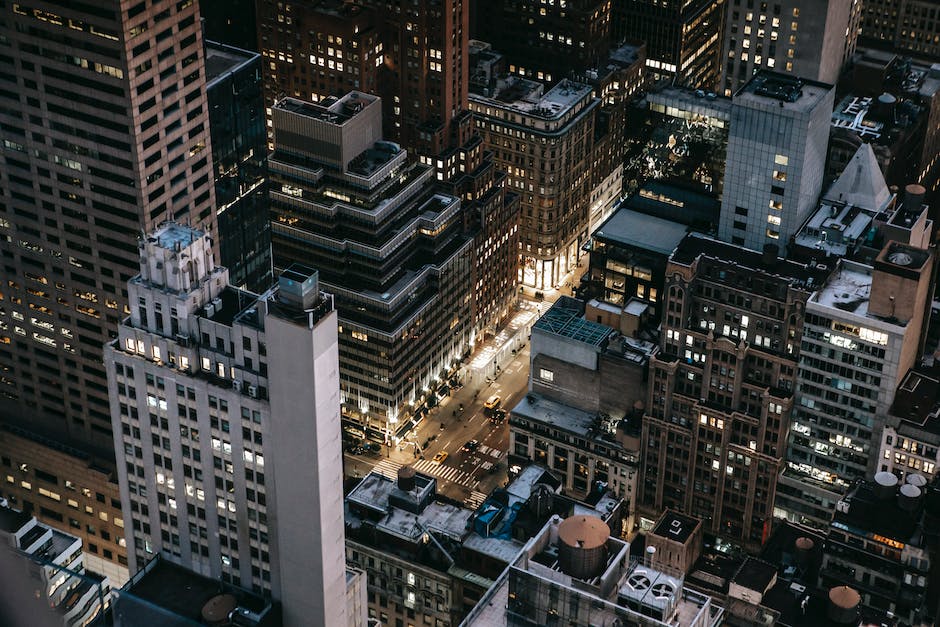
x=239, y=155
x=813, y=39
x=226, y=419
x=907, y=26
x=104, y=128
x=775, y=160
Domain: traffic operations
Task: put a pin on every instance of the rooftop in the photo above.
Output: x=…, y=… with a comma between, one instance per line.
x=917, y=402
x=222, y=59
x=867, y=514
x=790, y=92
x=755, y=574
x=696, y=244
x=181, y=592
x=528, y=97
x=565, y=319
x=173, y=236
x=547, y=412
x=836, y=228
x=675, y=526
x=639, y=230
x=233, y=304
x=337, y=111
x=848, y=289
x=11, y=520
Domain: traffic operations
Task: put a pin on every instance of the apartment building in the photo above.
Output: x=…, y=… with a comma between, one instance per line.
x=226, y=422
x=812, y=39
x=910, y=442
x=714, y=433
x=905, y=26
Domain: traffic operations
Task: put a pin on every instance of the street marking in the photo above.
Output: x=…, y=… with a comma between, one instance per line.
x=486, y=465
x=388, y=468
x=496, y=453
x=475, y=500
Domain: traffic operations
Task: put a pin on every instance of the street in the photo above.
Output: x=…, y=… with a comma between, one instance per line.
x=466, y=476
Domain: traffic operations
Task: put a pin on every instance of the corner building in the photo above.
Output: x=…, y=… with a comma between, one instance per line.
x=104, y=130
x=722, y=387
x=227, y=428
x=390, y=248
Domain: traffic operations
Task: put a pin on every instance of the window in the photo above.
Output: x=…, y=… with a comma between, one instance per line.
x=781, y=160
x=546, y=375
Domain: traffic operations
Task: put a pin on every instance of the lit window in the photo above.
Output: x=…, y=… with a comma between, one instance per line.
x=546, y=375
x=772, y=219
x=781, y=160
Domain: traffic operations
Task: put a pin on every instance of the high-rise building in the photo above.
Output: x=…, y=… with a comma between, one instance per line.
x=715, y=430
x=545, y=41
x=549, y=164
x=776, y=158
x=862, y=332
x=226, y=420
x=910, y=444
x=391, y=249
x=239, y=155
x=412, y=54
x=104, y=123
x=907, y=26
x=683, y=39
x=813, y=39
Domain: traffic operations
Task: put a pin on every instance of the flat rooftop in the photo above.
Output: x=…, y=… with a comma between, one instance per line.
x=835, y=227
x=334, y=110
x=568, y=322
x=527, y=96
x=638, y=230
x=917, y=403
x=11, y=520
x=183, y=592
x=222, y=59
x=675, y=526
x=755, y=574
x=848, y=289
x=172, y=236
x=547, y=412
x=790, y=92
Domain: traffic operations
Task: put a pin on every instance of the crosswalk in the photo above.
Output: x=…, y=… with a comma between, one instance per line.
x=389, y=468
x=486, y=450
x=447, y=473
x=475, y=499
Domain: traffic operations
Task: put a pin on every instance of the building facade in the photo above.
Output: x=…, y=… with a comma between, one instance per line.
x=119, y=146
x=910, y=443
x=207, y=382
x=906, y=26
x=714, y=433
x=544, y=142
x=683, y=39
x=862, y=332
x=391, y=249
x=776, y=158
x=239, y=151
x=812, y=39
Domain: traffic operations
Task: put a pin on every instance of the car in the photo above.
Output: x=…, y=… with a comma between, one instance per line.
x=498, y=416
x=355, y=450
x=471, y=446
x=440, y=457
x=492, y=402
x=372, y=447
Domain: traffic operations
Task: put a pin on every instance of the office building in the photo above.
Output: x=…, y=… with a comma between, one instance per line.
x=715, y=428
x=575, y=571
x=876, y=549
x=239, y=151
x=813, y=39
x=390, y=248
x=543, y=141
x=67, y=488
x=545, y=41
x=226, y=418
x=905, y=26
x=862, y=331
x=910, y=443
x=105, y=130
x=776, y=158
x=413, y=55
x=683, y=39
x=49, y=563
